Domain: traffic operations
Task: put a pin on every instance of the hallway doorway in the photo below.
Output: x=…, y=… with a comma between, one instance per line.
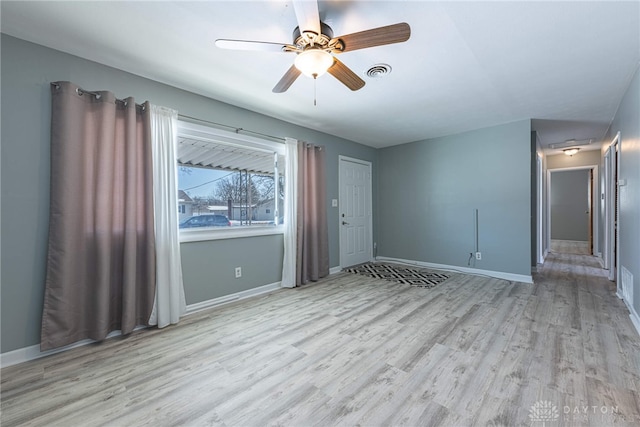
x=572, y=210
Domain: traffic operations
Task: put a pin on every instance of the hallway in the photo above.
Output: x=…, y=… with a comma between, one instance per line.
x=590, y=334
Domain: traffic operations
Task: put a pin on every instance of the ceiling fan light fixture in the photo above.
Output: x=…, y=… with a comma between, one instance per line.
x=313, y=62
x=571, y=151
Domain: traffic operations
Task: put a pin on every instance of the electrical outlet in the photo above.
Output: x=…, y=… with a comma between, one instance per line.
x=238, y=272
x=478, y=256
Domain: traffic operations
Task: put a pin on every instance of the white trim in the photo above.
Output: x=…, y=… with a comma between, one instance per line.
x=612, y=233
x=607, y=211
x=633, y=314
x=539, y=209
x=208, y=133
x=203, y=305
x=618, y=164
x=335, y=270
x=196, y=235
x=595, y=203
x=523, y=278
x=33, y=352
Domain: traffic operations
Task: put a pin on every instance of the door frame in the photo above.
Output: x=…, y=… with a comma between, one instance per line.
x=541, y=253
x=341, y=160
x=612, y=210
x=594, y=210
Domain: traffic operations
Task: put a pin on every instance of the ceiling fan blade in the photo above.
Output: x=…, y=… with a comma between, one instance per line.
x=287, y=80
x=395, y=33
x=307, y=15
x=345, y=75
x=254, y=45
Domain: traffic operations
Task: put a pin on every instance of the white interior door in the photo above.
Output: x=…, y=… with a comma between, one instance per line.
x=355, y=212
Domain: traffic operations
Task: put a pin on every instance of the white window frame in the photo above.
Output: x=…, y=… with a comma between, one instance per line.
x=196, y=131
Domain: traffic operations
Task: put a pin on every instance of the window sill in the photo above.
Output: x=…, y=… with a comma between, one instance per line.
x=231, y=233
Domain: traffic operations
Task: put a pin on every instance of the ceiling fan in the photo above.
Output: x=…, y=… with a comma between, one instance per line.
x=315, y=47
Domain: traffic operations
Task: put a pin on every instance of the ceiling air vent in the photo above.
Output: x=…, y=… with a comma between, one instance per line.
x=378, y=71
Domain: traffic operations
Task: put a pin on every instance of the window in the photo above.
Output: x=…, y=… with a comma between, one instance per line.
x=233, y=183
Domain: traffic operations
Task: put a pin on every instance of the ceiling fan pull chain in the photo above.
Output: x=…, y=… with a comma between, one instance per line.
x=315, y=92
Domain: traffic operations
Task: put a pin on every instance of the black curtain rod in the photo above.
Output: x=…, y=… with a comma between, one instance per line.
x=235, y=129
x=81, y=92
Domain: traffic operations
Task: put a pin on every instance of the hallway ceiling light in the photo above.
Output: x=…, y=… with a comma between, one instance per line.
x=571, y=151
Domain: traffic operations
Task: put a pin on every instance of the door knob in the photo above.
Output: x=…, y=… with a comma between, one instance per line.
x=345, y=223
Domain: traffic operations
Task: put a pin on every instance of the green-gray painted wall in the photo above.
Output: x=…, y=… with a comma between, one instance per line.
x=428, y=192
x=27, y=70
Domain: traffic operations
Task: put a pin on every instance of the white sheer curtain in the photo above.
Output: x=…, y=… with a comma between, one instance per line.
x=290, y=213
x=170, y=301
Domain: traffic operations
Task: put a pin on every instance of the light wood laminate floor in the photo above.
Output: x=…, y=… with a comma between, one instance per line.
x=356, y=351
x=570, y=247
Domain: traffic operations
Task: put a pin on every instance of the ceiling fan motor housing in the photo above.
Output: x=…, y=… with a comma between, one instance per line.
x=323, y=41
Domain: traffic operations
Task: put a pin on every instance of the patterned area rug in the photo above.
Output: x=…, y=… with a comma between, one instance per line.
x=396, y=273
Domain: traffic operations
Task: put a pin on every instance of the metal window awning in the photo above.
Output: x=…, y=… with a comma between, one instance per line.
x=213, y=155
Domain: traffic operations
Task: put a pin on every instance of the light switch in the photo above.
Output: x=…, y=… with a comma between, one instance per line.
x=334, y=203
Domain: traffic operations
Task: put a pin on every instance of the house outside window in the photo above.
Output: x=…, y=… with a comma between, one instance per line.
x=185, y=206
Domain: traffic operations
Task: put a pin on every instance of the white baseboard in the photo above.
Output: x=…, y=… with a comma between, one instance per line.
x=335, y=270
x=635, y=319
x=523, y=278
x=633, y=314
x=33, y=352
x=203, y=305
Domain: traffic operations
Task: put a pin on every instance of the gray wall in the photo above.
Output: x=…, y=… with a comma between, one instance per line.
x=27, y=70
x=627, y=122
x=428, y=191
x=569, y=204
x=208, y=267
x=581, y=159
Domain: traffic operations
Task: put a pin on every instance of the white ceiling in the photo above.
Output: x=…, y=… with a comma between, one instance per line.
x=466, y=66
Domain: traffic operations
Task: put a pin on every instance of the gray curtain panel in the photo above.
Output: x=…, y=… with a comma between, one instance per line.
x=101, y=253
x=312, y=248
